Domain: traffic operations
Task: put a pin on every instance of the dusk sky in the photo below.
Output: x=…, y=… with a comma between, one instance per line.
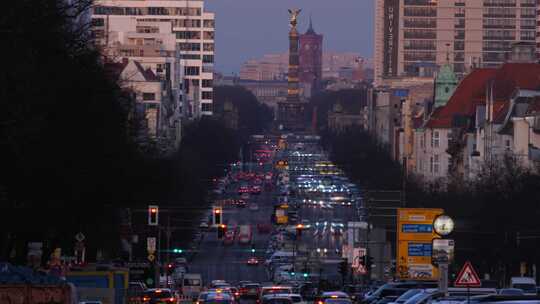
x=247, y=29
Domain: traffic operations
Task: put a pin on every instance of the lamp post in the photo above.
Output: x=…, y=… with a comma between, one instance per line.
x=442, y=249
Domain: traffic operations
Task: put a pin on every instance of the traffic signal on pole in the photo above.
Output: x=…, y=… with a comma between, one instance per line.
x=221, y=231
x=153, y=215
x=217, y=215
x=343, y=265
x=368, y=261
x=170, y=268
x=177, y=250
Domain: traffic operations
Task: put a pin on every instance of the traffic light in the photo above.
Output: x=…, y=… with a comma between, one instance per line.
x=178, y=250
x=252, y=249
x=216, y=214
x=153, y=215
x=368, y=261
x=221, y=231
x=305, y=274
x=169, y=268
x=343, y=266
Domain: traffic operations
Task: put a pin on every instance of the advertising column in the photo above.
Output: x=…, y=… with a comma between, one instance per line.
x=414, y=243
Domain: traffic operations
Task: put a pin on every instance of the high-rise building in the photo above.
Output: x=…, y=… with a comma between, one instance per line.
x=412, y=37
x=194, y=31
x=310, y=70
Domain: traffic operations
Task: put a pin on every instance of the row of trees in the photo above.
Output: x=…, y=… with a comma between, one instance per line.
x=70, y=161
x=496, y=214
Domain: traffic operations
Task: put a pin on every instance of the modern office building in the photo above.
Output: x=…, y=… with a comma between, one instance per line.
x=194, y=30
x=413, y=37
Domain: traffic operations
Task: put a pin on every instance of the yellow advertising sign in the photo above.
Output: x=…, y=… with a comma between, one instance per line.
x=414, y=236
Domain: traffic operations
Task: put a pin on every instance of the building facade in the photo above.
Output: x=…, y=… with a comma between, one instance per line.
x=310, y=70
x=193, y=28
x=410, y=34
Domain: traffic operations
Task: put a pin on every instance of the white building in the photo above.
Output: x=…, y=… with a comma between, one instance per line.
x=194, y=33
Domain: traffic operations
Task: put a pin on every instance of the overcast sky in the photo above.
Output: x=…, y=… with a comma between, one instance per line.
x=247, y=29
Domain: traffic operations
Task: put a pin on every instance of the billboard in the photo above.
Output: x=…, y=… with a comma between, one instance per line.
x=391, y=37
x=414, y=243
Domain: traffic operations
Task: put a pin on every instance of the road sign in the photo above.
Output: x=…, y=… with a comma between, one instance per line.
x=442, y=251
x=467, y=277
x=151, y=257
x=151, y=244
x=414, y=243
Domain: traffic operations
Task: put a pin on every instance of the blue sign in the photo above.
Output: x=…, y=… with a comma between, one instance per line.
x=401, y=93
x=420, y=249
x=417, y=228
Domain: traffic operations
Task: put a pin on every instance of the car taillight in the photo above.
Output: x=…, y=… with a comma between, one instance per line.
x=236, y=293
x=172, y=299
x=320, y=302
x=146, y=299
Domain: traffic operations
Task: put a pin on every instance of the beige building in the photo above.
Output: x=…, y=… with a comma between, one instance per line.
x=412, y=37
x=193, y=28
x=274, y=66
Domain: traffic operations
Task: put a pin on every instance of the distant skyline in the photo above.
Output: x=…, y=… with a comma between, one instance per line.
x=247, y=29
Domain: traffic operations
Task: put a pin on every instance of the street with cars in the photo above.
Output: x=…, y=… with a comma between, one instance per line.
x=277, y=233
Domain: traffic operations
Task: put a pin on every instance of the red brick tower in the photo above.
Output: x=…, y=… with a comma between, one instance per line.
x=310, y=69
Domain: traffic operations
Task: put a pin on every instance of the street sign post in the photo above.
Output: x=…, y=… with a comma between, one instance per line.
x=468, y=277
x=414, y=243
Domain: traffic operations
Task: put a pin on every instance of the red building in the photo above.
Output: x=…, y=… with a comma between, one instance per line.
x=310, y=69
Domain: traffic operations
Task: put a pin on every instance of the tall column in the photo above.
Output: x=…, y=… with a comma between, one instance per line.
x=293, y=92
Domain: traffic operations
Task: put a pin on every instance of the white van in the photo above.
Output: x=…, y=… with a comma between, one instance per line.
x=527, y=284
x=280, y=257
x=191, y=285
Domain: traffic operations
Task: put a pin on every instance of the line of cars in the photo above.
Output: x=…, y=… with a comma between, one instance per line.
x=427, y=292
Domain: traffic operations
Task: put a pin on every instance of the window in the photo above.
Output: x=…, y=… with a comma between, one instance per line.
x=191, y=71
x=435, y=139
x=208, y=59
x=207, y=83
x=98, y=22
x=422, y=139
x=446, y=90
x=188, y=35
x=186, y=23
x=190, y=56
x=189, y=46
x=208, y=46
x=206, y=107
x=436, y=164
x=209, y=23
x=149, y=96
x=207, y=95
x=431, y=164
x=208, y=35
x=507, y=144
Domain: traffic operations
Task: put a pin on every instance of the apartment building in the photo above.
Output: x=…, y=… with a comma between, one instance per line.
x=413, y=37
x=193, y=28
x=493, y=113
x=150, y=68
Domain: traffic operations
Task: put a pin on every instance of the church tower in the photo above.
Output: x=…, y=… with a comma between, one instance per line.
x=445, y=84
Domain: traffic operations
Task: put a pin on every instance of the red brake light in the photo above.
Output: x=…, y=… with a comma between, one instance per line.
x=146, y=299
x=171, y=299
